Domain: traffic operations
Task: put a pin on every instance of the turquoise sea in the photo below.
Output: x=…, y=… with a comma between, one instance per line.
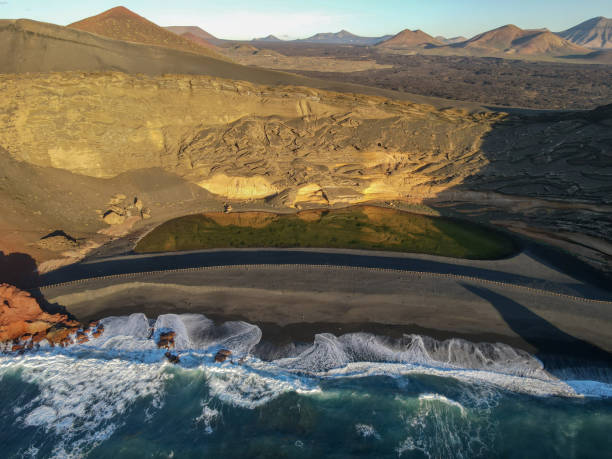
x=356, y=395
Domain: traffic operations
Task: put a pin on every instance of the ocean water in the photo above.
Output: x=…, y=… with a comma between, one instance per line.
x=356, y=395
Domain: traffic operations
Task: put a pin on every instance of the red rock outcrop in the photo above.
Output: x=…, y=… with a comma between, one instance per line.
x=99, y=329
x=23, y=322
x=222, y=355
x=166, y=340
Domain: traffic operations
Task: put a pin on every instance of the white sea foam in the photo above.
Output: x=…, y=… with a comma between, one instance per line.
x=248, y=387
x=442, y=399
x=329, y=352
x=367, y=431
x=125, y=333
x=81, y=399
x=440, y=427
x=208, y=418
x=517, y=384
x=41, y=416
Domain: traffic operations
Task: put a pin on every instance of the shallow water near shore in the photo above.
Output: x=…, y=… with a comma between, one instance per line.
x=355, y=227
x=352, y=395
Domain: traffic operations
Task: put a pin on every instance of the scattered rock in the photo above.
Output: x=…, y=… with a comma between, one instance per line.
x=145, y=213
x=38, y=337
x=227, y=208
x=113, y=218
x=61, y=334
x=81, y=337
x=58, y=241
x=98, y=331
x=166, y=340
x=222, y=355
x=172, y=358
x=118, y=211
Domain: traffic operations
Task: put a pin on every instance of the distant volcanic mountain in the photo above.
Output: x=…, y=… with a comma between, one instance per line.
x=198, y=40
x=450, y=41
x=594, y=33
x=194, y=31
x=344, y=37
x=511, y=39
x=410, y=39
x=122, y=24
x=269, y=38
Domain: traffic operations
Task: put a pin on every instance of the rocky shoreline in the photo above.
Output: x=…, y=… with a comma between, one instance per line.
x=25, y=325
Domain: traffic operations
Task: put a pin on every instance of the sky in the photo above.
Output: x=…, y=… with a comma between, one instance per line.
x=247, y=19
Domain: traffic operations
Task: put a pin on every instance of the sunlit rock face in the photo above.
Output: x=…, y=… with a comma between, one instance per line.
x=23, y=322
x=234, y=139
x=243, y=141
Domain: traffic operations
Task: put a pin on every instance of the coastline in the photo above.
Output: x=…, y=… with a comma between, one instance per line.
x=291, y=304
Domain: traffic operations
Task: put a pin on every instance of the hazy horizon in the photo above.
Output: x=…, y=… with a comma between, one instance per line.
x=291, y=19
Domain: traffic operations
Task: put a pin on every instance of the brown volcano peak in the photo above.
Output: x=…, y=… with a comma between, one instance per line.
x=410, y=39
x=119, y=11
x=123, y=24
x=510, y=39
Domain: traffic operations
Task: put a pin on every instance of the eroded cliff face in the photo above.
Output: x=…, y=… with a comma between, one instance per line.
x=238, y=140
x=243, y=141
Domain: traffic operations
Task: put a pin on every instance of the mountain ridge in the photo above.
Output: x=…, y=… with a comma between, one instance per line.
x=513, y=40
x=343, y=37
x=593, y=33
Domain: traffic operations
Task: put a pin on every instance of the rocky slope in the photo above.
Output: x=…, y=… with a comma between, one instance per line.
x=30, y=47
x=232, y=138
x=594, y=33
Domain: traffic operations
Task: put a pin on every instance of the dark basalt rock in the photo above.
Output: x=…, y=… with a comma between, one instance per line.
x=222, y=355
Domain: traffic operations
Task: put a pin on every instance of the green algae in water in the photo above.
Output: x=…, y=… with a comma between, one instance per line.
x=360, y=227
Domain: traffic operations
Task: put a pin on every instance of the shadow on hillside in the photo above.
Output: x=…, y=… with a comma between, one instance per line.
x=549, y=340
x=20, y=270
x=548, y=173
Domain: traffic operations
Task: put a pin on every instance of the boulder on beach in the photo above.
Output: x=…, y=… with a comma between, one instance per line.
x=166, y=340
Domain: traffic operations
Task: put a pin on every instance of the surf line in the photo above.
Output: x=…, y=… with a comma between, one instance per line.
x=413, y=274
